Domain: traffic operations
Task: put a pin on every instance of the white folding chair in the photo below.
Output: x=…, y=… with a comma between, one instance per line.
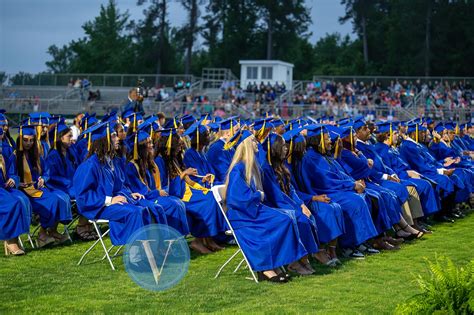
x=101, y=235
x=218, y=192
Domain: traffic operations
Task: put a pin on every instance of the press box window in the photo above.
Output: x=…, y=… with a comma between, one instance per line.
x=252, y=73
x=267, y=73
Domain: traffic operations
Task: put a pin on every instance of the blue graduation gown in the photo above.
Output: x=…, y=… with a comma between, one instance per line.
x=198, y=160
x=91, y=191
x=53, y=205
x=220, y=159
x=163, y=172
x=174, y=208
x=276, y=198
x=268, y=236
x=329, y=216
x=387, y=211
x=15, y=209
x=441, y=151
x=61, y=171
x=429, y=197
x=420, y=160
x=319, y=175
x=46, y=148
x=80, y=147
x=202, y=210
x=7, y=150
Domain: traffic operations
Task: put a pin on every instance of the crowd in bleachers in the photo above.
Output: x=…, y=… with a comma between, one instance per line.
x=295, y=191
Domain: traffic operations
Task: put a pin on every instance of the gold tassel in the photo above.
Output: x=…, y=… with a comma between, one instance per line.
x=230, y=144
x=108, y=138
x=336, y=149
x=268, y=152
x=168, y=143
x=21, y=138
x=135, y=123
x=391, y=135
x=231, y=128
x=352, y=140
x=260, y=133
x=456, y=130
x=55, y=136
x=416, y=133
x=89, y=142
x=290, y=151
x=197, y=138
x=323, y=147
x=135, y=148
x=174, y=123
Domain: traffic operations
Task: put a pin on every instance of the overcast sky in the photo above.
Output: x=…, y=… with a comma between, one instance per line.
x=29, y=27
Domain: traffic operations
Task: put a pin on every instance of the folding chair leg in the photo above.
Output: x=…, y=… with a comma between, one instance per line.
x=238, y=266
x=103, y=245
x=226, y=263
x=87, y=252
x=21, y=243
x=108, y=251
x=117, y=251
x=31, y=241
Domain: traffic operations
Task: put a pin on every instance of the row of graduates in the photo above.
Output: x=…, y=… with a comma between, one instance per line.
x=289, y=194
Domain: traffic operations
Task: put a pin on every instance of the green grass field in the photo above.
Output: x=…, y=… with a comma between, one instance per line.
x=48, y=281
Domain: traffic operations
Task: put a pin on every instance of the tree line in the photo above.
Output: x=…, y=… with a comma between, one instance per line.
x=392, y=37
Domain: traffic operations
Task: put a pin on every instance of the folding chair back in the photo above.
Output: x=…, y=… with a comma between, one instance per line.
x=218, y=191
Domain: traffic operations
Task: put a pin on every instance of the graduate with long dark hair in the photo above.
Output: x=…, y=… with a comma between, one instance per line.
x=143, y=176
x=102, y=195
x=204, y=218
x=30, y=170
x=15, y=210
x=268, y=236
x=279, y=193
x=8, y=144
x=320, y=174
x=328, y=214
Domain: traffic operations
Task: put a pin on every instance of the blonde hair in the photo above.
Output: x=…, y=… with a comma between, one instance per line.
x=246, y=153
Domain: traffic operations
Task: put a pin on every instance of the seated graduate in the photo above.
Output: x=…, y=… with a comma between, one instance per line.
x=328, y=214
x=261, y=129
x=386, y=148
x=319, y=173
x=466, y=137
x=386, y=204
x=41, y=120
x=62, y=164
x=443, y=151
x=460, y=143
x=15, y=210
x=194, y=156
x=216, y=154
x=204, y=217
x=7, y=143
x=279, y=193
x=449, y=186
x=143, y=176
x=81, y=147
x=269, y=237
x=31, y=174
x=101, y=195
x=279, y=126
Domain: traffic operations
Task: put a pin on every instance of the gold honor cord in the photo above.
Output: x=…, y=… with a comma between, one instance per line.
x=55, y=136
x=290, y=151
x=21, y=138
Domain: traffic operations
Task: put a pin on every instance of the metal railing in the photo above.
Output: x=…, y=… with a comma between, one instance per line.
x=97, y=79
x=387, y=79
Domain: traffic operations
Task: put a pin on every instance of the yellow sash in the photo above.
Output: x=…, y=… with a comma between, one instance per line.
x=156, y=176
x=188, y=193
x=30, y=190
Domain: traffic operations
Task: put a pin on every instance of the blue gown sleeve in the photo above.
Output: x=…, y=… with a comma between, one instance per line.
x=55, y=167
x=89, y=193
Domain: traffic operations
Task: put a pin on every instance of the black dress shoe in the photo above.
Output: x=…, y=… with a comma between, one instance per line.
x=280, y=278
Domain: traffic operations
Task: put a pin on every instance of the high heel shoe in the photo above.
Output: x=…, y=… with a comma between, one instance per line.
x=276, y=279
x=9, y=251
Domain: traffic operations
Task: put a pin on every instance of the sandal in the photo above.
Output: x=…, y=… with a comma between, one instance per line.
x=86, y=234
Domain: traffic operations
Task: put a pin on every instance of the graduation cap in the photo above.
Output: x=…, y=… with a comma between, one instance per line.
x=267, y=144
x=317, y=130
x=3, y=120
x=416, y=128
x=40, y=118
x=56, y=120
x=3, y=111
x=277, y=122
x=25, y=130
x=58, y=128
x=334, y=132
x=387, y=126
x=133, y=116
x=293, y=136
x=214, y=127
x=169, y=132
x=112, y=116
x=441, y=126
x=134, y=139
x=205, y=117
x=229, y=124
x=217, y=119
x=237, y=139
x=187, y=119
x=88, y=121
x=100, y=131
x=262, y=124
x=358, y=123
x=150, y=125
x=194, y=130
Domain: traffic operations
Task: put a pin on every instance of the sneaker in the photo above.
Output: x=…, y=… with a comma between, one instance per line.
x=367, y=249
x=352, y=253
